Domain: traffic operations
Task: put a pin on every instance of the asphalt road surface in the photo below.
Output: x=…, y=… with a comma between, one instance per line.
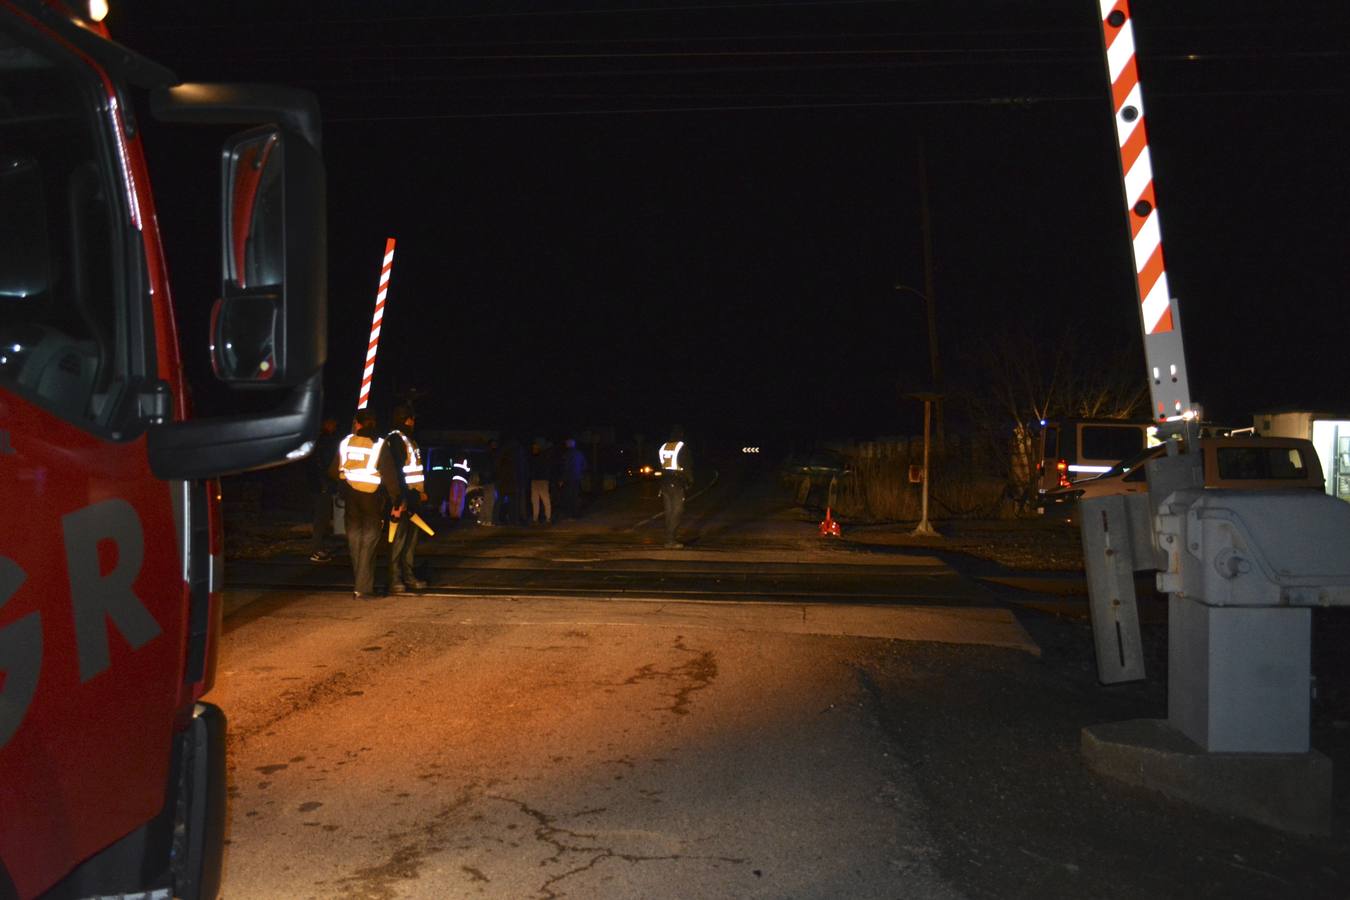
x=576, y=712
x=431, y=748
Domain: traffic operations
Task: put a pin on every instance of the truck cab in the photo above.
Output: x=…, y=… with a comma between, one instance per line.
x=111, y=768
x=1070, y=450
x=1233, y=463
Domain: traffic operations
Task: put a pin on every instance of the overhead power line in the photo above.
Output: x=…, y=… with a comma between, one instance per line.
x=728, y=107
x=1007, y=102
x=344, y=54
x=386, y=77
x=695, y=54
x=591, y=12
x=1231, y=21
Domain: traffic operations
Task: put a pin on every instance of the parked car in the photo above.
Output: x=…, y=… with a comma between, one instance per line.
x=436, y=463
x=1247, y=463
x=810, y=475
x=819, y=463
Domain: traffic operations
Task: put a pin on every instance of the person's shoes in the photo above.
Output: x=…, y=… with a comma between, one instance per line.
x=416, y=584
x=674, y=545
x=357, y=595
x=320, y=556
x=398, y=588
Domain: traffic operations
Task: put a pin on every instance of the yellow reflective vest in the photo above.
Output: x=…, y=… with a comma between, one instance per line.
x=413, y=476
x=670, y=456
x=360, y=462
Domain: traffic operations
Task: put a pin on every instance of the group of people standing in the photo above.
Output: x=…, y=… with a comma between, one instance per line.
x=381, y=481
x=517, y=485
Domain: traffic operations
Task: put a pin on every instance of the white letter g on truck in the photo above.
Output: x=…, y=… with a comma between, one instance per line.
x=20, y=655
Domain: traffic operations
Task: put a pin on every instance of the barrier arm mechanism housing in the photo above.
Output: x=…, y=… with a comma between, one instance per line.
x=1242, y=568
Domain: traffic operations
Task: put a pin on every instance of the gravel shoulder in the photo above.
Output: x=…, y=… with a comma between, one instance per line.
x=1019, y=545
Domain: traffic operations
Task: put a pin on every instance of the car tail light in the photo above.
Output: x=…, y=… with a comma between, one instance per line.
x=1062, y=467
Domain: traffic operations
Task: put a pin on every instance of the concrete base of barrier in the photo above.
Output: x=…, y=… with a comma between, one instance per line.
x=1288, y=791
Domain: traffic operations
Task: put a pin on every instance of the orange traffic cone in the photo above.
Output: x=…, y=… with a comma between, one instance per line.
x=830, y=526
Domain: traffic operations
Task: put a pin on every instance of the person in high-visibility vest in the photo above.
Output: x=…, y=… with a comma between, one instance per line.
x=676, y=478
x=460, y=473
x=368, y=481
x=407, y=460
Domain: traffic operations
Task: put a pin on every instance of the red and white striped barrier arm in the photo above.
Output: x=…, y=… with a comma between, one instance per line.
x=1158, y=313
x=386, y=268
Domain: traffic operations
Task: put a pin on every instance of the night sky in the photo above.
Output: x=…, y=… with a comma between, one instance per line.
x=636, y=213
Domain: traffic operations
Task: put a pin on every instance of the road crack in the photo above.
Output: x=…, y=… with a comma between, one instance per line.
x=561, y=840
x=379, y=882
x=362, y=670
x=691, y=676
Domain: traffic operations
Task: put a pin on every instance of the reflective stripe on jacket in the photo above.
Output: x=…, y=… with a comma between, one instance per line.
x=360, y=462
x=461, y=470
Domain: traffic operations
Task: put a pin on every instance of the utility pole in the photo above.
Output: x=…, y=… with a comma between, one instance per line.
x=925, y=528
x=932, y=398
x=930, y=303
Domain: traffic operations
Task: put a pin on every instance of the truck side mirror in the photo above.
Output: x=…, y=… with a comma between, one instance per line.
x=268, y=328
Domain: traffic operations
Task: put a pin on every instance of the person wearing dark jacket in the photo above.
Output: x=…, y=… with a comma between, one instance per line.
x=487, y=486
x=406, y=461
x=513, y=483
x=322, y=487
x=573, y=470
x=541, y=464
x=368, y=481
x=522, y=463
x=508, y=488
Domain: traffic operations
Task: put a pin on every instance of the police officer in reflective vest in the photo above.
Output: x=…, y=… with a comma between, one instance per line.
x=676, y=479
x=407, y=459
x=367, y=480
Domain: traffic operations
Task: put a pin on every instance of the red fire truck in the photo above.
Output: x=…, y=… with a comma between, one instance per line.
x=111, y=769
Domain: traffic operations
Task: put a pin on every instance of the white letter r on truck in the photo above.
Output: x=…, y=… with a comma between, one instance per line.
x=95, y=597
